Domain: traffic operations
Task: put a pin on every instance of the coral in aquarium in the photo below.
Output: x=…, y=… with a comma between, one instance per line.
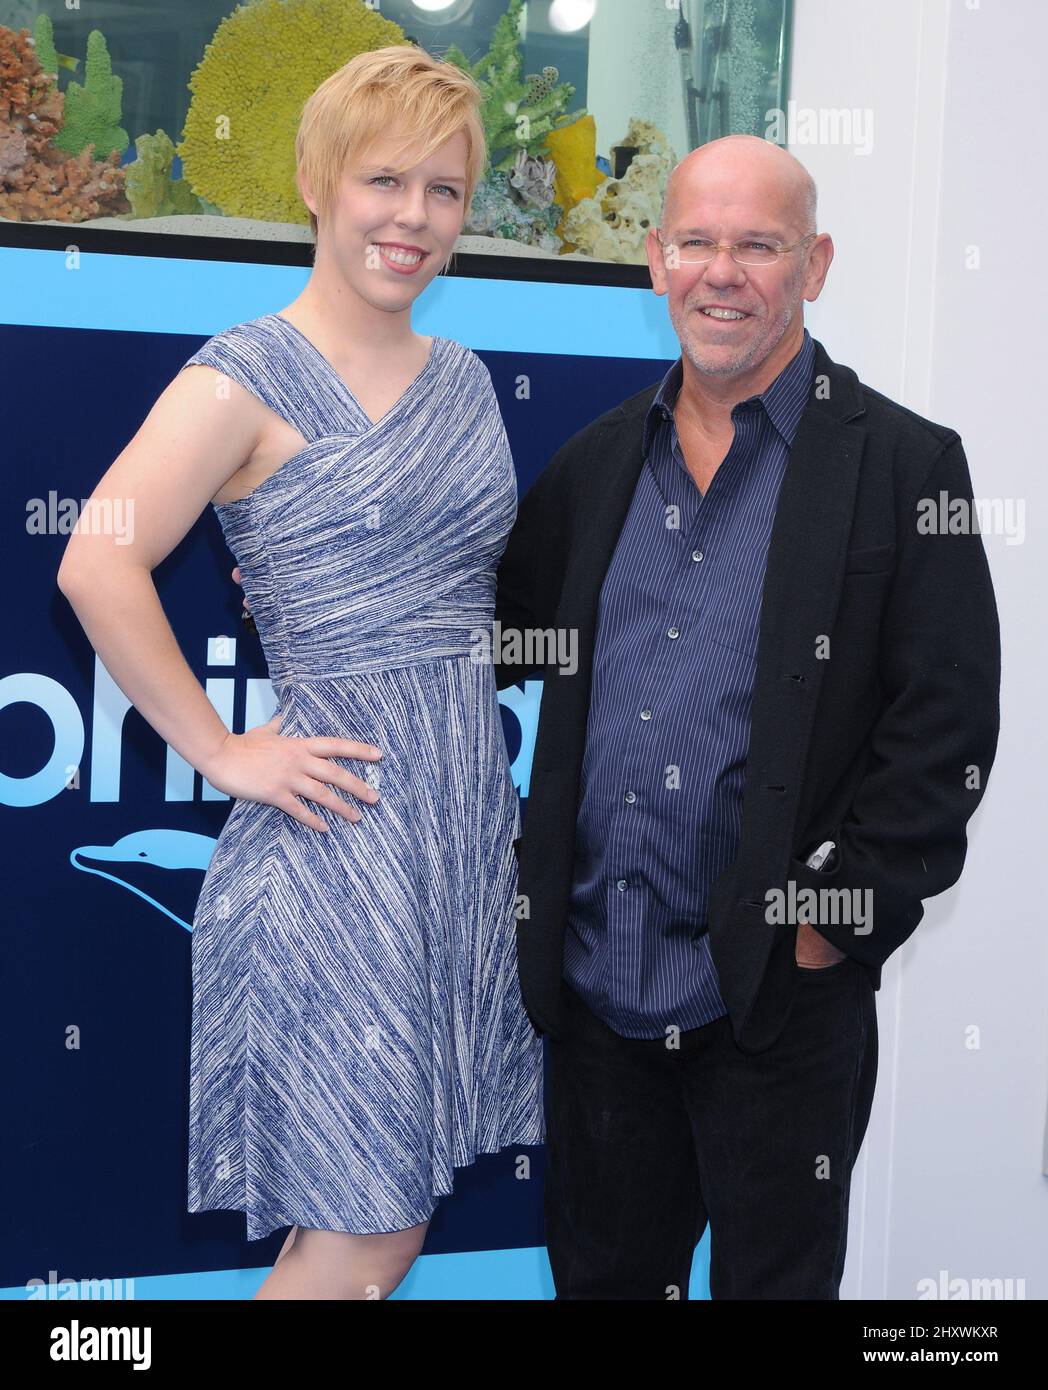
x=534, y=178
x=50, y=59
x=151, y=190
x=265, y=59
x=521, y=118
x=495, y=212
x=92, y=111
x=44, y=41
x=573, y=150
x=517, y=114
x=44, y=38
x=37, y=180
x=613, y=224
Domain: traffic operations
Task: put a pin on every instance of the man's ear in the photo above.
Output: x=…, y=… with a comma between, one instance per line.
x=819, y=257
x=656, y=263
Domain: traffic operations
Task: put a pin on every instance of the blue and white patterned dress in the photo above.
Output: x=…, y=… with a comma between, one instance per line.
x=358, y=1029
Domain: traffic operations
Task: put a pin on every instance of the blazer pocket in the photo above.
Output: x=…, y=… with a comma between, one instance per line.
x=871, y=559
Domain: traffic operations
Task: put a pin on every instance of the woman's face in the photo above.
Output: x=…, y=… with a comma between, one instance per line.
x=391, y=231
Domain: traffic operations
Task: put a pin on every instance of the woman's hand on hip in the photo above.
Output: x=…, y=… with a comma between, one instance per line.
x=265, y=765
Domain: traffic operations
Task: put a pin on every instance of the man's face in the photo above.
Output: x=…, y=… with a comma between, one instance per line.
x=764, y=301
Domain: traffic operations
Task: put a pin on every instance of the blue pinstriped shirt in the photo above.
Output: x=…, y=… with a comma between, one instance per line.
x=660, y=801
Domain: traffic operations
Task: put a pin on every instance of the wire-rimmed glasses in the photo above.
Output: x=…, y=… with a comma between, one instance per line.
x=748, y=251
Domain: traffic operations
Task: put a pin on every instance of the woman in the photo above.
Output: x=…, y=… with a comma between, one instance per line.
x=358, y=1029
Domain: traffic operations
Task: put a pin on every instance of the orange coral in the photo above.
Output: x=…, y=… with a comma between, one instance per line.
x=36, y=180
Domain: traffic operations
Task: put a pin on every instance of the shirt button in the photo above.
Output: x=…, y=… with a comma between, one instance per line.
x=672, y=632
x=645, y=714
x=696, y=554
x=621, y=885
x=631, y=797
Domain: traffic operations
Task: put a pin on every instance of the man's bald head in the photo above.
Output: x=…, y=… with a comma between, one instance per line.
x=748, y=162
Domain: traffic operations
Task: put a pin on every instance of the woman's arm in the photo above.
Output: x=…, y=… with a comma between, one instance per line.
x=193, y=440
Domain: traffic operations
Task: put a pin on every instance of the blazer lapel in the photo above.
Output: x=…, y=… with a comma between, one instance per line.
x=613, y=472
x=548, y=848
x=802, y=588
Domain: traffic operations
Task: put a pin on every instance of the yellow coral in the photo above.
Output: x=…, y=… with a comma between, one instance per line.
x=264, y=61
x=573, y=149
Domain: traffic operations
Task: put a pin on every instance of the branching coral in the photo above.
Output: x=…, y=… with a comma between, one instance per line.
x=38, y=181
x=150, y=188
x=92, y=111
x=517, y=114
x=44, y=39
x=238, y=146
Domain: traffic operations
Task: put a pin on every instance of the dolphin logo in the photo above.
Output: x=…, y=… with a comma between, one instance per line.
x=163, y=849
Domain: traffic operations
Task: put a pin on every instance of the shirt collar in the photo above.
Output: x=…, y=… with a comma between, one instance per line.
x=783, y=401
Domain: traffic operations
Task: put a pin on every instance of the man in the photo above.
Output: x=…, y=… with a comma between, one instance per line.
x=785, y=684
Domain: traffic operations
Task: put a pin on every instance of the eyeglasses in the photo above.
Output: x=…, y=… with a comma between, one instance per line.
x=698, y=250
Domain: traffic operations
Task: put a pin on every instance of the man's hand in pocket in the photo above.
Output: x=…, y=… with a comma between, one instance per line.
x=813, y=951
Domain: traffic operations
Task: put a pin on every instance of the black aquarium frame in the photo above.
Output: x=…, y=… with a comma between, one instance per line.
x=472, y=265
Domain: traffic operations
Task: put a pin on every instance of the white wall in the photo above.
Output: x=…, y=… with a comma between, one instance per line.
x=951, y=1172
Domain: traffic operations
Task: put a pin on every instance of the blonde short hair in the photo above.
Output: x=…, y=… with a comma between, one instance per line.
x=399, y=87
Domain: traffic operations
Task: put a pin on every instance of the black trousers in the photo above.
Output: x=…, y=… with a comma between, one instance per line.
x=645, y=1144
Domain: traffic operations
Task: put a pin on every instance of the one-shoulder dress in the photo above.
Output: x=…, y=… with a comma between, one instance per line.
x=357, y=1024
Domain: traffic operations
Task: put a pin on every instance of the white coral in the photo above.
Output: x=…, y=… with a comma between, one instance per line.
x=613, y=224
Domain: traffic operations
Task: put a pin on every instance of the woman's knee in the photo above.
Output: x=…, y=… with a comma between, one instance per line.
x=363, y=1266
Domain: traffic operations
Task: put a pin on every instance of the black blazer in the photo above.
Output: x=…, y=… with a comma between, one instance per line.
x=884, y=747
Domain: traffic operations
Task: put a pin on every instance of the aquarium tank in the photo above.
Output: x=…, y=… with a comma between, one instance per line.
x=180, y=118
